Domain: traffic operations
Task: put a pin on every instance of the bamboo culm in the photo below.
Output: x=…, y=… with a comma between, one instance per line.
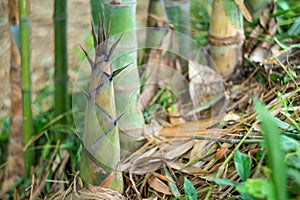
x=122, y=19
x=61, y=62
x=26, y=84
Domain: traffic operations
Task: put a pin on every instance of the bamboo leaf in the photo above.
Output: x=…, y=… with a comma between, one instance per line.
x=158, y=185
x=189, y=190
x=287, y=143
x=283, y=125
x=295, y=28
x=244, y=10
x=259, y=188
x=172, y=186
x=225, y=182
x=242, y=163
x=294, y=173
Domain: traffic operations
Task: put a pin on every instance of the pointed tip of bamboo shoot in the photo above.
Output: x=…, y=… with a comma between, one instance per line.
x=95, y=40
x=118, y=71
x=88, y=57
x=114, y=45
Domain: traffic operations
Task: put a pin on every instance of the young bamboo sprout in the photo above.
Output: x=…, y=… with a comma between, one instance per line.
x=226, y=36
x=100, y=140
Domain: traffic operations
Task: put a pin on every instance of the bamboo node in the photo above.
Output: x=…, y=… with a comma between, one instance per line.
x=224, y=41
x=119, y=3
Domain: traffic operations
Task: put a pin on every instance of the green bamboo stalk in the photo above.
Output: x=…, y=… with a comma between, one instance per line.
x=97, y=8
x=101, y=146
x=61, y=62
x=26, y=83
x=122, y=16
x=157, y=18
x=226, y=36
x=179, y=15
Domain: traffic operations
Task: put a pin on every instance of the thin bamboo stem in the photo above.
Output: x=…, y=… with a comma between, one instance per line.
x=26, y=82
x=61, y=62
x=224, y=140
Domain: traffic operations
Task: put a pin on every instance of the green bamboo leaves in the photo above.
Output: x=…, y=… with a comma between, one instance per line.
x=189, y=190
x=242, y=164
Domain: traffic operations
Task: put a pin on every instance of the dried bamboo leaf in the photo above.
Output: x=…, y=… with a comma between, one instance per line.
x=162, y=177
x=176, y=149
x=244, y=10
x=158, y=185
x=145, y=165
x=179, y=166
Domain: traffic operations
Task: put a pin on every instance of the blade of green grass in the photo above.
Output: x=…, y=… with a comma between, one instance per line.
x=274, y=153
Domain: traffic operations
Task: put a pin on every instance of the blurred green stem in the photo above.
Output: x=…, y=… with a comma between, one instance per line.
x=61, y=62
